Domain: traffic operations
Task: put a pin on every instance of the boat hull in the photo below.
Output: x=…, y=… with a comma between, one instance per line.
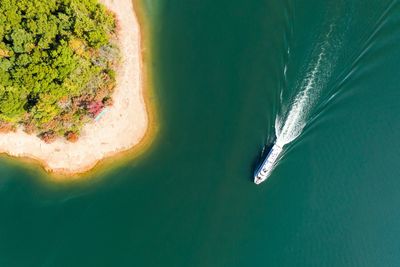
x=262, y=173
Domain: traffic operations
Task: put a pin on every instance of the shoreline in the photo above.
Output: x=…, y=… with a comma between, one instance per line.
x=124, y=132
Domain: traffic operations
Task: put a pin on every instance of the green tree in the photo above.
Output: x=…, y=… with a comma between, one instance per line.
x=55, y=59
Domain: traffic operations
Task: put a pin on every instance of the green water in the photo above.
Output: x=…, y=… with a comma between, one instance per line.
x=220, y=82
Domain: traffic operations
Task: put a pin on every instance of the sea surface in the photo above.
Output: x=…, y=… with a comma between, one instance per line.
x=225, y=73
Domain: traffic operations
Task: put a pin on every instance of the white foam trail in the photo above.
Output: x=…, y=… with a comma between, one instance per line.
x=290, y=126
x=291, y=123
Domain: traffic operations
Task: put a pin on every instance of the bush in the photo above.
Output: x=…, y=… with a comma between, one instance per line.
x=71, y=136
x=48, y=137
x=6, y=127
x=56, y=56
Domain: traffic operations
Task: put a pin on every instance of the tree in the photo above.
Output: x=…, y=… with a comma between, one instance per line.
x=57, y=58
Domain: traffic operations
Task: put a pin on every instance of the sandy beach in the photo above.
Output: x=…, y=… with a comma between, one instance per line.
x=123, y=125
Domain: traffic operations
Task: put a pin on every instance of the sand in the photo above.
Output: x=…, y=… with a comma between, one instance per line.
x=123, y=125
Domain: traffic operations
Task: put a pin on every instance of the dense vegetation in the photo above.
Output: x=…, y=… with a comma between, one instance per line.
x=57, y=62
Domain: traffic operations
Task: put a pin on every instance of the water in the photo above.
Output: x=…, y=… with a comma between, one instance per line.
x=219, y=70
x=289, y=126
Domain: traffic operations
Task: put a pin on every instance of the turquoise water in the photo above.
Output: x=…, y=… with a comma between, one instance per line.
x=220, y=82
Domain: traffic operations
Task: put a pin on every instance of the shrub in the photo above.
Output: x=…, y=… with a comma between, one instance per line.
x=6, y=127
x=71, y=136
x=48, y=137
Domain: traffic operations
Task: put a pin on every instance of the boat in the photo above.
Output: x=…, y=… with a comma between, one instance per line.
x=264, y=170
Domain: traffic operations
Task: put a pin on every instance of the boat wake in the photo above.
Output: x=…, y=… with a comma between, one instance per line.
x=290, y=124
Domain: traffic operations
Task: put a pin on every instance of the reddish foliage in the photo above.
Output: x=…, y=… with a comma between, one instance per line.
x=48, y=137
x=29, y=128
x=6, y=127
x=108, y=102
x=102, y=92
x=71, y=136
x=51, y=125
x=95, y=108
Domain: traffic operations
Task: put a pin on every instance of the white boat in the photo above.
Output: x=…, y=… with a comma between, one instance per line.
x=262, y=173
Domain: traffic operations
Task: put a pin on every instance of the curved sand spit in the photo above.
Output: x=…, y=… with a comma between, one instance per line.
x=121, y=128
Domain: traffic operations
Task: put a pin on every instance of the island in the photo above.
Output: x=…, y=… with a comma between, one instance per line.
x=71, y=82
